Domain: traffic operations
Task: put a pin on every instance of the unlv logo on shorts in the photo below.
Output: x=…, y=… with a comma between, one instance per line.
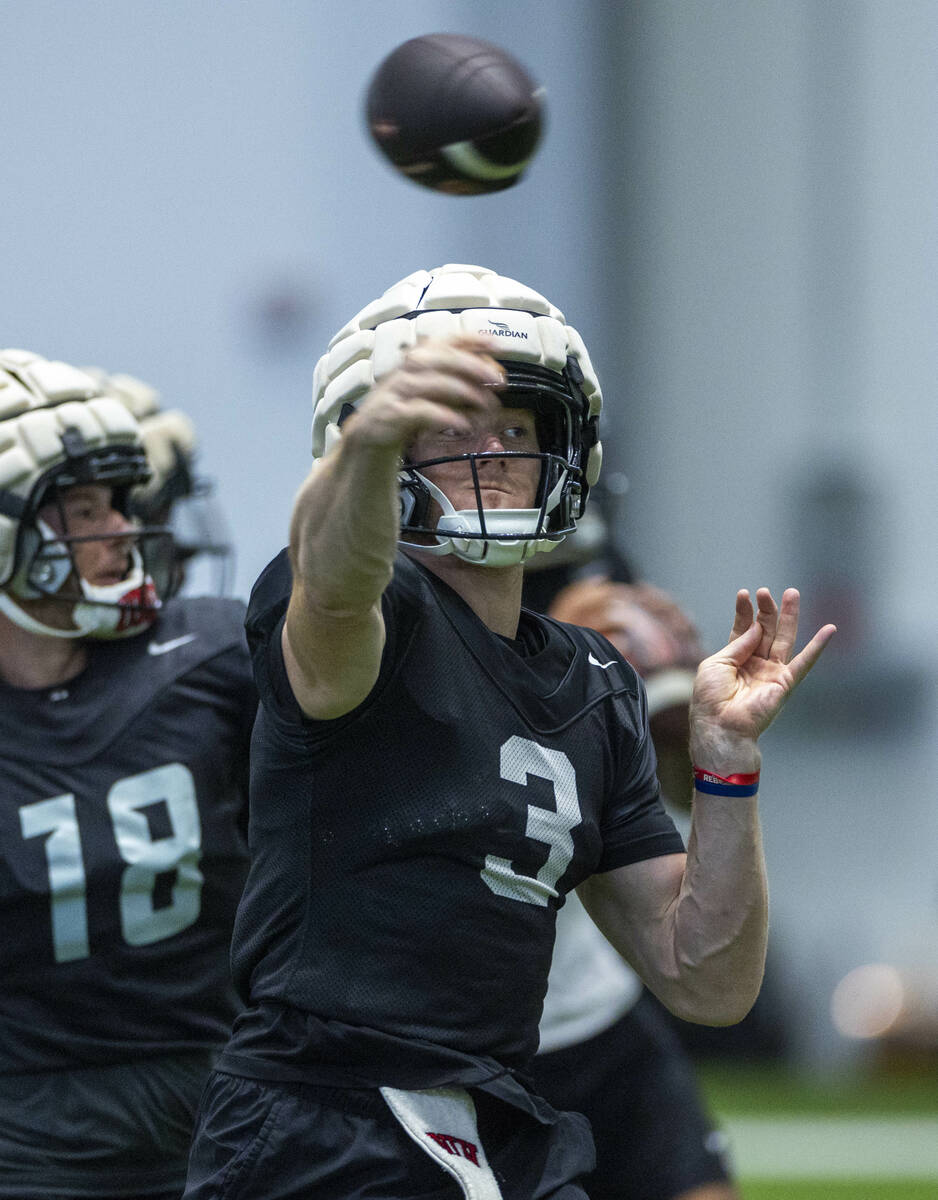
x=457, y=1146
x=462, y=1154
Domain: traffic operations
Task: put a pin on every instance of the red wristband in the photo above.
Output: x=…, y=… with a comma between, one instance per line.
x=725, y=785
x=739, y=780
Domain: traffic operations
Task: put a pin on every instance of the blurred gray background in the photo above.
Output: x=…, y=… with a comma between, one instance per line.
x=735, y=203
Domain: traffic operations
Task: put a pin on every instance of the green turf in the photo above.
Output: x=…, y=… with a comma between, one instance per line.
x=732, y=1089
x=839, y=1189
x=764, y=1090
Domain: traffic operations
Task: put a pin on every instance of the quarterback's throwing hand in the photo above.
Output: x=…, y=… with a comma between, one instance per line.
x=740, y=689
x=437, y=383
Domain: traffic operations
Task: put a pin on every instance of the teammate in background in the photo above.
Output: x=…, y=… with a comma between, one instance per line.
x=124, y=729
x=605, y=1049
x=176, y=495
x=433, y=769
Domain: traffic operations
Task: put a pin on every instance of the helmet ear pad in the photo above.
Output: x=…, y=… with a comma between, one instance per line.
x=46, y=560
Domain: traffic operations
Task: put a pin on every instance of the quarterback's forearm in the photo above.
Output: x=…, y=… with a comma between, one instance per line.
x=720, y=924
x=343, y=538
x=344, y=529
x=694, y=926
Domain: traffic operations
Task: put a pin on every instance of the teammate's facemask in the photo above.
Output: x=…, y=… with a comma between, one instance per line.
x=185, y=503
x=505, y=536
x=46, y=566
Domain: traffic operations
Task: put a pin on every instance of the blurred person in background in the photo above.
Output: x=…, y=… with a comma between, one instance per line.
x=606, y=1049
x=176, y=495
x=124, y=729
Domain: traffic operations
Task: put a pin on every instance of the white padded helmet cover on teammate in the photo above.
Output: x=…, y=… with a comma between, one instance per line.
x=39, y=400
x=167, y=434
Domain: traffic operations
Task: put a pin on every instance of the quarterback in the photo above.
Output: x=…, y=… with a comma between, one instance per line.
x=434, y=769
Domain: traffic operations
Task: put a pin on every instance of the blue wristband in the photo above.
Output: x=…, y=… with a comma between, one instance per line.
x=725, y=789
x=721, y=785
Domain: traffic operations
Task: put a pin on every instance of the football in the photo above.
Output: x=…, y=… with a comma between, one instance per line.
x=455, y=114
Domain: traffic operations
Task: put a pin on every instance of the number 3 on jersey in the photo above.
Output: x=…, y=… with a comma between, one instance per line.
x=520, y=758
x=146, y=858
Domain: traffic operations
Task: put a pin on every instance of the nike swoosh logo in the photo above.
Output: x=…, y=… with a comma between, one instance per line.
x=596, y=663
x=173, y=644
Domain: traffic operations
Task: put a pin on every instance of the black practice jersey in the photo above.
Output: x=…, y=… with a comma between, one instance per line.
x=408, y=858
x=123, y=846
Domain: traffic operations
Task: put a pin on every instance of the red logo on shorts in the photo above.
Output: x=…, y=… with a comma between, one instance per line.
x=456, y=1145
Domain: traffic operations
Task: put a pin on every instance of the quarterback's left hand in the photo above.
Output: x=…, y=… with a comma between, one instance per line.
x=739, y=690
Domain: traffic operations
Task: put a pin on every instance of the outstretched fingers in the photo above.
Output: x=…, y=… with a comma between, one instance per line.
x=778, y=631
x=744, y=615
x=786, y=627
x=779, y=624
x=741, y=646
x=802, y=663
x=767, y=616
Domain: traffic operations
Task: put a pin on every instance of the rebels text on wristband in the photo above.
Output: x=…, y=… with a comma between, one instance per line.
x=712, y=784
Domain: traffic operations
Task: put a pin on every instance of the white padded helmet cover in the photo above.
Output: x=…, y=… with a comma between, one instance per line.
x=525, y=326
x=39, y=400
x=165, y=432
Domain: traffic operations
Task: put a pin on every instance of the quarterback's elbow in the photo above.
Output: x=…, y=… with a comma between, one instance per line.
x=718, y=1011
x=721, y=1001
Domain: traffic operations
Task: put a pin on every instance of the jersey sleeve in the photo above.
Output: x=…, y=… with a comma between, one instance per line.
x=267, y=610
x=635, y=824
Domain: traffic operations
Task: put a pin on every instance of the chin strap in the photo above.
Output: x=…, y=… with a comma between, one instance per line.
x=10, y=608
x=92, y=620
x=116, y=610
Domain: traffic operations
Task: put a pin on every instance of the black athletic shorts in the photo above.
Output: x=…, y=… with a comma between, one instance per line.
x=119, y=1132
x=636, y=1084
x=256, y=1140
